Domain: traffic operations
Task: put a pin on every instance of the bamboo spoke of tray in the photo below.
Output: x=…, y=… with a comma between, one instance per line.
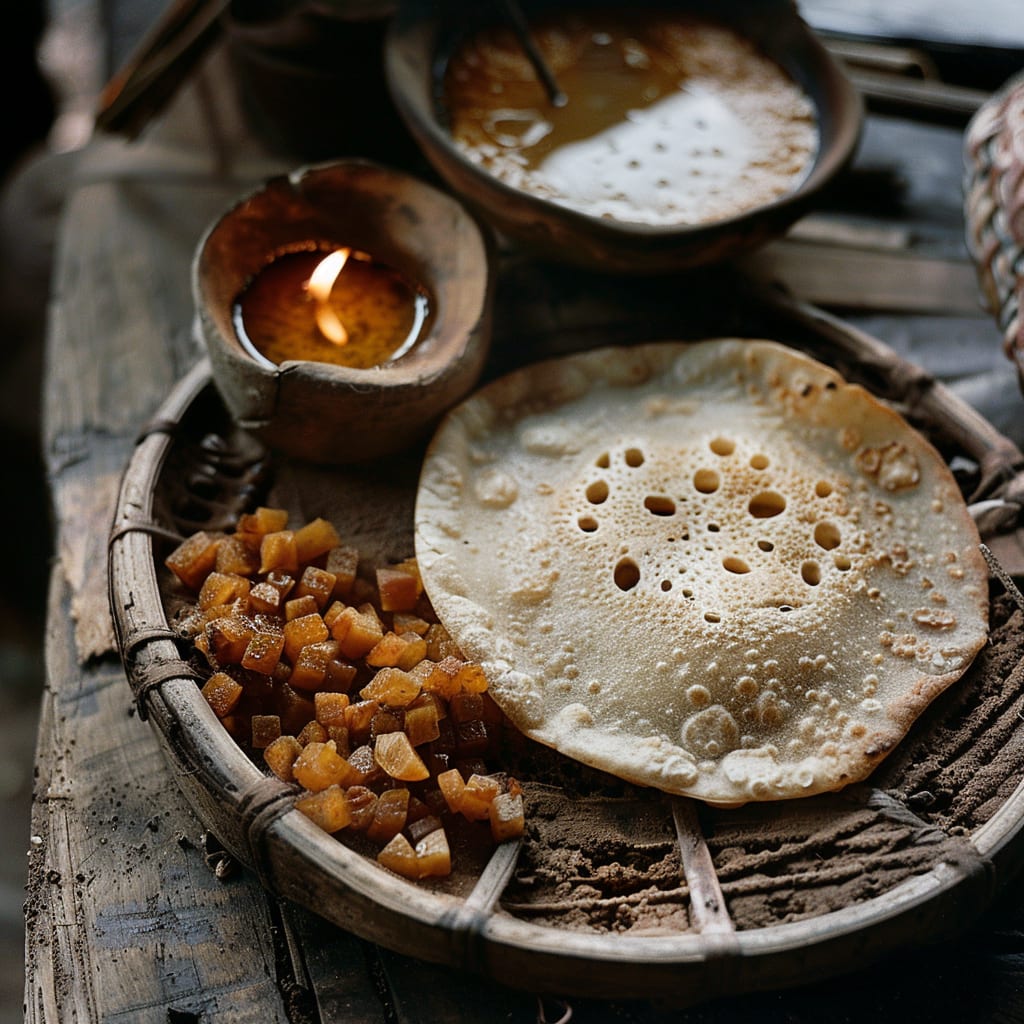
x=707, y=902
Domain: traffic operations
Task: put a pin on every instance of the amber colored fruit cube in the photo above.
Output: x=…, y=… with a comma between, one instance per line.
x=263, y=652
x=357, y=632
x=237, y=555
x=228, y=637
x=264, y=520
x=265, y=599
x=387, y=651
x=280, y=755
x=339, y=733
x=478, y=796
x=340, y=676
x=389, y=815
x=316, y=538
x=328, y=808
x=362, y=802
x=423, y=826
x=466, y=707
x=415, y=650
x=421, y=724
x=391, y=686
x=277, y=553
x=382, y=722
x=332, y=613
x=364, y=765
x=433, y=855
x=443, y=676
x=330, y=708
x=307, y=629
x=508, y=820
x=194, y=558
x=317, y=584
x=471, y=678
x=343, y=565
x=282, y=582
x=395, y=754
x=222, y=693
x=296, y=607
x=399, y=856
x=320, y=765
x=313, y=732
x=398, y=589
x=358, y=717
x=294, y=706
x=310, y=666
x=220, y=588
x=440, y=645
x=407, y=622
x=453, y=787
x=472, y=739
x=265, y=729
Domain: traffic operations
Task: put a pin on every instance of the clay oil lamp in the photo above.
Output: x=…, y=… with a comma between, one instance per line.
x=344, y=308
x=660, y=137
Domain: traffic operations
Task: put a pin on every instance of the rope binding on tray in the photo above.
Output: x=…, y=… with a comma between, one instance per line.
x=260, y=806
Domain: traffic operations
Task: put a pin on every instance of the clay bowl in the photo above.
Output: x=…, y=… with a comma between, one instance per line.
x=424, y=35
x=318, y=411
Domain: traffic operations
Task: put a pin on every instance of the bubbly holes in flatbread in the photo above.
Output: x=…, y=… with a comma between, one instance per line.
x=759, y=461
x=842, y=563
x=766, y=545
x=707, y=481
x=810, y=572
x=588, y=524
x=603, y=461
x=713, y=527
x=827, y=536
x=597, y=492
x=766, y=504
x=722, y=446
x=634, y=457
x=627, y=574
x=712, y=617
x=822, y=488
x=666, y=585
x=659, y=505
x=736, y=565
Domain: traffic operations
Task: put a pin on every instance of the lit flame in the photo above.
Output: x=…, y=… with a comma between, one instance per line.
x=319, y=286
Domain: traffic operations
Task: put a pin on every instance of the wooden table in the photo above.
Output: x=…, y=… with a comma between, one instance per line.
x=132, y=914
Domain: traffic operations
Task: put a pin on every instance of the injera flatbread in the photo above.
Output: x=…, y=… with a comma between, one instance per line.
x=715, y=568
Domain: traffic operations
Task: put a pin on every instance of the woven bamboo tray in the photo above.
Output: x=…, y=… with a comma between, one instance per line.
x=615, y=891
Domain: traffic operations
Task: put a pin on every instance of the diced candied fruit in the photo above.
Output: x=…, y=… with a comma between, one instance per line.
x=339, y=733
x=358, y=717
x=389, y=815
x=399, y=590
x=384, y=721
x=391, y=686
x=421, y=724
x=471, y=678
x=340, y=676
x=327, y=808
x=320, y=765
x=395, y=754
x=313, y=732
x=317, y=584
x=330, y=708
x=406, y=622
x=280, y=755
x=466, y=707
x=415, y=650
x=453, y=787
x=343, y=564
x=194, y=558
x=235, y=555
x=433, y=855
x=296, y=607
x=220, y=588
x=332, y=613
x=307, y=629
x=222, y=693
x=423, y=826
x=507, y=817
x=228, y=637
x=440, y=645
x=477, y=797
x=362, y=761
x=263, y=652
x=282, y=582
x=316, y=538
x=357, y=632
x=265, y=729
x=265, y=598
x=399, y=856
x=263, y=520
x=443, y=677
x=362, y=803
x=310, y=667
x=387, y=651
x=294, y=707
x=472, y=739
x=277, y=552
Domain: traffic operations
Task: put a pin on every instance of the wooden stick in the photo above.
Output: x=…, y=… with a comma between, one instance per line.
x=514, y=14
